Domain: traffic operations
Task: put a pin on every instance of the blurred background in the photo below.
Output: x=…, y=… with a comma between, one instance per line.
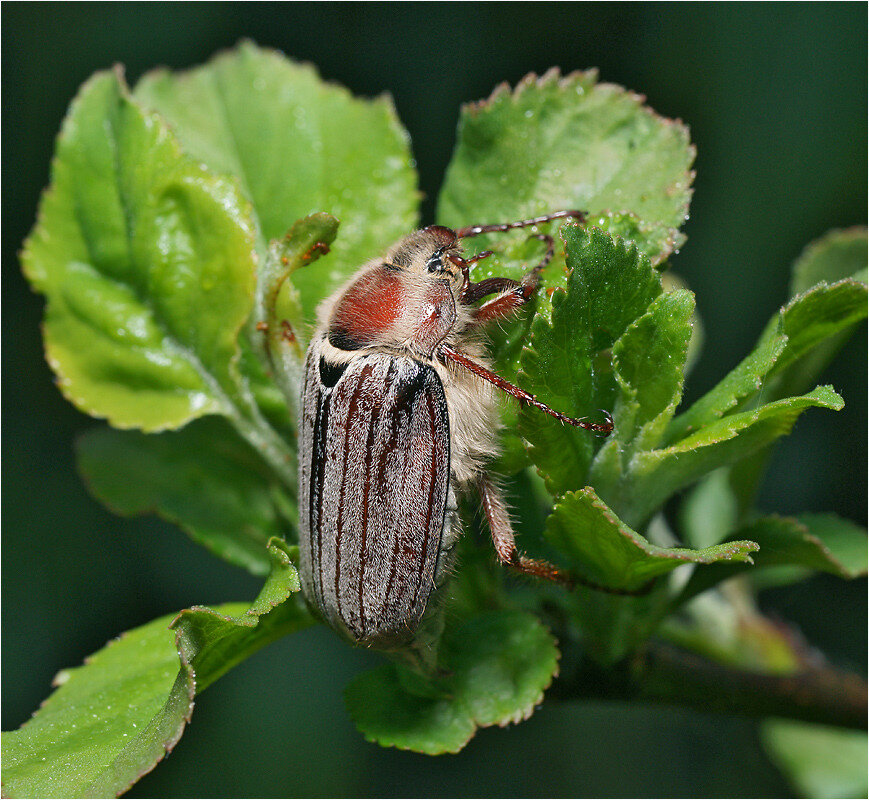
x=776, y=98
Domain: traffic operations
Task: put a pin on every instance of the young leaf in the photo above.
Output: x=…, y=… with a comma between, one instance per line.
x=279, y=305
x=817, y=323
x=808, y=321
x=147, y=263
x=649, y=361
x=570, y=143
x=608, y=553
x=657, y=474
x=835, y=256
x=840, y=543
x=111, y=720
x=568, y=359
x=742, y=381
x=204, y=477
x=495, y=669
x=213, y=641
x=801, y=338
x=306, y=241
x=820, y=542
x=297, y=145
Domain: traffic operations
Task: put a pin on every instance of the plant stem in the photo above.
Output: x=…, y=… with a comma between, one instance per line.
x=662, y=673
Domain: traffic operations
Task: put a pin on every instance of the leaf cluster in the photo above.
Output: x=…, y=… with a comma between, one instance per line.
x=180, y=249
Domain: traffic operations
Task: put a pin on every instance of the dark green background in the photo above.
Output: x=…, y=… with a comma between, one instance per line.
x=776, y=99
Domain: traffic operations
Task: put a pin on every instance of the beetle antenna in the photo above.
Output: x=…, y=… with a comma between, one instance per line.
x=476, y=230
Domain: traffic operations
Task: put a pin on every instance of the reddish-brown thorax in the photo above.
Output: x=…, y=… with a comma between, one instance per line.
x=386, y=308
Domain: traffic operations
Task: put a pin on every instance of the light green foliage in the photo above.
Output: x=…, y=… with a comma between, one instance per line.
x=112, y=719
x=189, y=233
x=808, y=542
x=571, y=143
x=834, y=257
x=742, y=381
x=283, y=342
x=809, y=321
x=568, y=360
x=124, y=698
x=649, y=361
x=495, y=669
x=611, y=555
x=296, y=145
x=657, y=474
x=212, y=641
x=147, y=262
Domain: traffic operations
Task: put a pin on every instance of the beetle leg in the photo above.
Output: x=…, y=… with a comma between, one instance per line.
x=505, y=542
x=514, y=293
x=477, y=291
x=468, y=287
x=447, y=353
x=505, y=546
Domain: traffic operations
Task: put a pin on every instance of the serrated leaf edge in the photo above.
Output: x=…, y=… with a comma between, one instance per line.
x=675, y=239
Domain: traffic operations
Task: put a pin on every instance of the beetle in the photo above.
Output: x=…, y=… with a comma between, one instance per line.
x=398, y=417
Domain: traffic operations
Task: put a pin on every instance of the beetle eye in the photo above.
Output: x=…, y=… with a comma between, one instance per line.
x=434, y=264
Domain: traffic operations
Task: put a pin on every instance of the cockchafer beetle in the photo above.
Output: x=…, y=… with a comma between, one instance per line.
x=399, y=416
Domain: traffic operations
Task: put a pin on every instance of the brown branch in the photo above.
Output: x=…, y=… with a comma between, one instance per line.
x=662, y=673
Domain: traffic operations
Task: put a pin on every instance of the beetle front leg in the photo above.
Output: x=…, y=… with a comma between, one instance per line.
x=514, y=293
x=505, y=542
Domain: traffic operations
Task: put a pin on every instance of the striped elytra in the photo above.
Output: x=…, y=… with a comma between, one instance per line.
x=374, y=494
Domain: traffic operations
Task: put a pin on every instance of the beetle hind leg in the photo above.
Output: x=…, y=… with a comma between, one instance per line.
x=505, y=542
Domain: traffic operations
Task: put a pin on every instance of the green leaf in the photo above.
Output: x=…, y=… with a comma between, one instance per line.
x=649, y=361
x=108, y=722
x=655, y=475
x=742, y=381
x=837, y=255
x=817, y=323
x=147, y=263
x=808, y=321
x=837, y=545
x=495, y=669
x=569, y=357
x=111, y=720
x=604, y=550
x=279, y=304
x=204, y=477
x=819, y=542
x=514, y=255
x=709, y=512
x=306, y=241
x=801, y=338
x=212, y=641
x=819, y=760
x=297, y=145
x=570, y=143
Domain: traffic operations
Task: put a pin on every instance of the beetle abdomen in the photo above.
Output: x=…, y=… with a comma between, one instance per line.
x=374, y=482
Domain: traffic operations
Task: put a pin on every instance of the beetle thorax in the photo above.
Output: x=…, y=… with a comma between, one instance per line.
x=406, y=302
